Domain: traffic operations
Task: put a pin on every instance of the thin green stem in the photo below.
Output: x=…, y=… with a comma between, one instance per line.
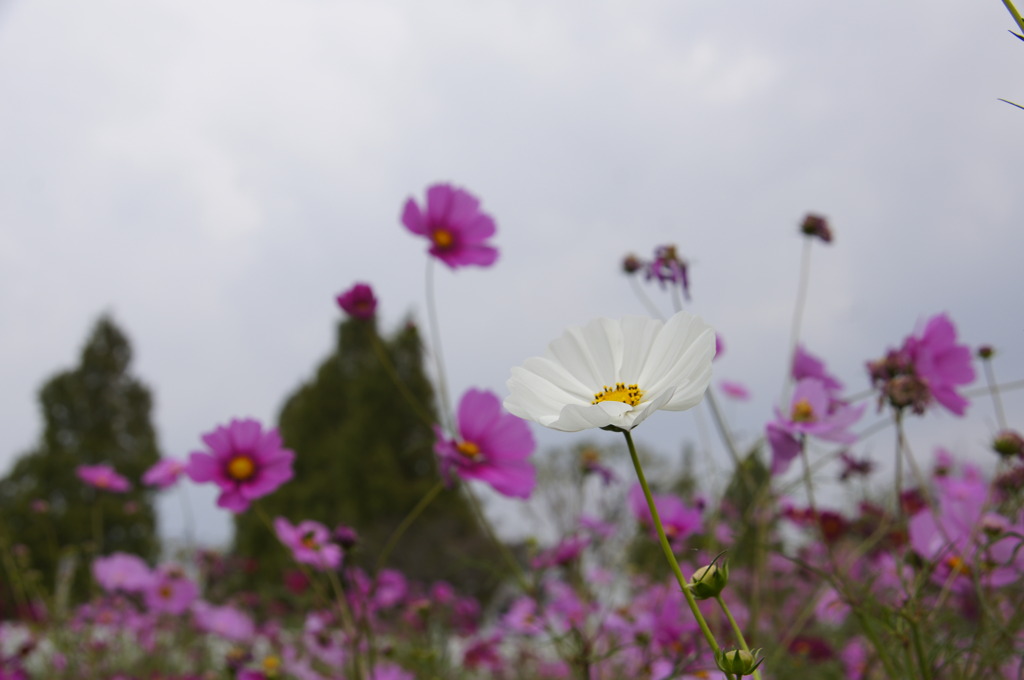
x=435, y=342
x=515, y=567
x=1016, y=15
x=645, y=298
x=723, y=428
x=915, y=636
x=667, y=548
x=798, y=315
x=400, y=530
x=737, y=631
x=389, y=367
x=993, y=389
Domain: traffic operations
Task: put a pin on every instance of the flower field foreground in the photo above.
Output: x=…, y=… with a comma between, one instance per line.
x=920, y=576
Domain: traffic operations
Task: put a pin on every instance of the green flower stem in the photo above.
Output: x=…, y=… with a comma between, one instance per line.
x=915, y=635
x=644, y=298
x=723, y=428
x=798, y=315
x=435, y=341
x=891, y=669
x=389, y=367
x=1016, y=15
x=667, y=549
x=737, y=631
x=350, y=626
x=517, y=569
x=994, y=389
x=400, y=530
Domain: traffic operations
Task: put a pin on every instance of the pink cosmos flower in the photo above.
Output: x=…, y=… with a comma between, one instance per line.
x=164, y=474
x=813, y=411
x=941, y=363
x=309, y=542
x=806, y=365
x=963, y=539
x=225, y=621
x=735, y=390
x=246, y=463
x=455, y=225
x=358, y=302
x=678, y=520
x=122, y=571
x=493, y=446
x=103, y=477
x=170, y=591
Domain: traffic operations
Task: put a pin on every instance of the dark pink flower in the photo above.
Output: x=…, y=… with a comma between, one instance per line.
x=358, y=302
x=455, y=225
x=164, y=474
x=122, y=571
x=668, y=267
x=928, y=367
x=246, y=463
x=103, y=477
x=806, y=365
x=170, y=591
x=678, y=520
x=310, y=543
x=813, y=411
x=735, y=390
x=225, y=621
x=941, y=363
x=493, y=446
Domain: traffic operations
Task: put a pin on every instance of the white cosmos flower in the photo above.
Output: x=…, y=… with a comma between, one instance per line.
x=615, y=373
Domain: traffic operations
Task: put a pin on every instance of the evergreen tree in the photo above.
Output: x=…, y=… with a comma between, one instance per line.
x=364, y=459
x=96, y=413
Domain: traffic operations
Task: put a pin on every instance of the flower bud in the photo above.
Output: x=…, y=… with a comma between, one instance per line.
x=817, y=226
x=1008, y=443
x=709, y=581
x=737, y=661
x=986, y=352
x=631, y=264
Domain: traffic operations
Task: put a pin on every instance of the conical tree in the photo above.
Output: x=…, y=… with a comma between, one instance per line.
x=364, y=459
x=94, y=414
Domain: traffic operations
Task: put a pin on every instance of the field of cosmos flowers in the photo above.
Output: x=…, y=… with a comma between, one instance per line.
x=924, y=579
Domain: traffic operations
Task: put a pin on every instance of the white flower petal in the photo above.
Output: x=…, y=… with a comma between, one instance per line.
x=670, y=362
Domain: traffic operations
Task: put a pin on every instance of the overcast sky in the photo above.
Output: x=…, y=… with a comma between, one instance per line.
x=213, y=173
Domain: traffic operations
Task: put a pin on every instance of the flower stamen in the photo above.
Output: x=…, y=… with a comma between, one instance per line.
x=442, y=238
x=627, y=394
x=469, y=450
x=803, y=412
x=241, y=468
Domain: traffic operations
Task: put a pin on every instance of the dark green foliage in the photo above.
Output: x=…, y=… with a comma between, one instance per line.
x=96, y=413
x=364, y=459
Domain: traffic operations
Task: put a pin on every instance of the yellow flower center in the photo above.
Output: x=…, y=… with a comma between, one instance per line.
x=165, y=592
x=627, y=394
x=803, y=412
x=469, y=450
x=957, y=565
x=309, y=542
x=442, y=238
x=241, y=468
x=271, y=664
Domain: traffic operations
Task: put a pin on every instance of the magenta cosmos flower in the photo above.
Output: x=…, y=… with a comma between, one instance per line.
x=245, y=462
x=358, y=302
x=455, y=225
x=493, y=446
x=164, y=474
x=103, y=477
x=310, y=543
x=170, y=591
x=813, y=411
x=941, y=362
x=122, y=571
